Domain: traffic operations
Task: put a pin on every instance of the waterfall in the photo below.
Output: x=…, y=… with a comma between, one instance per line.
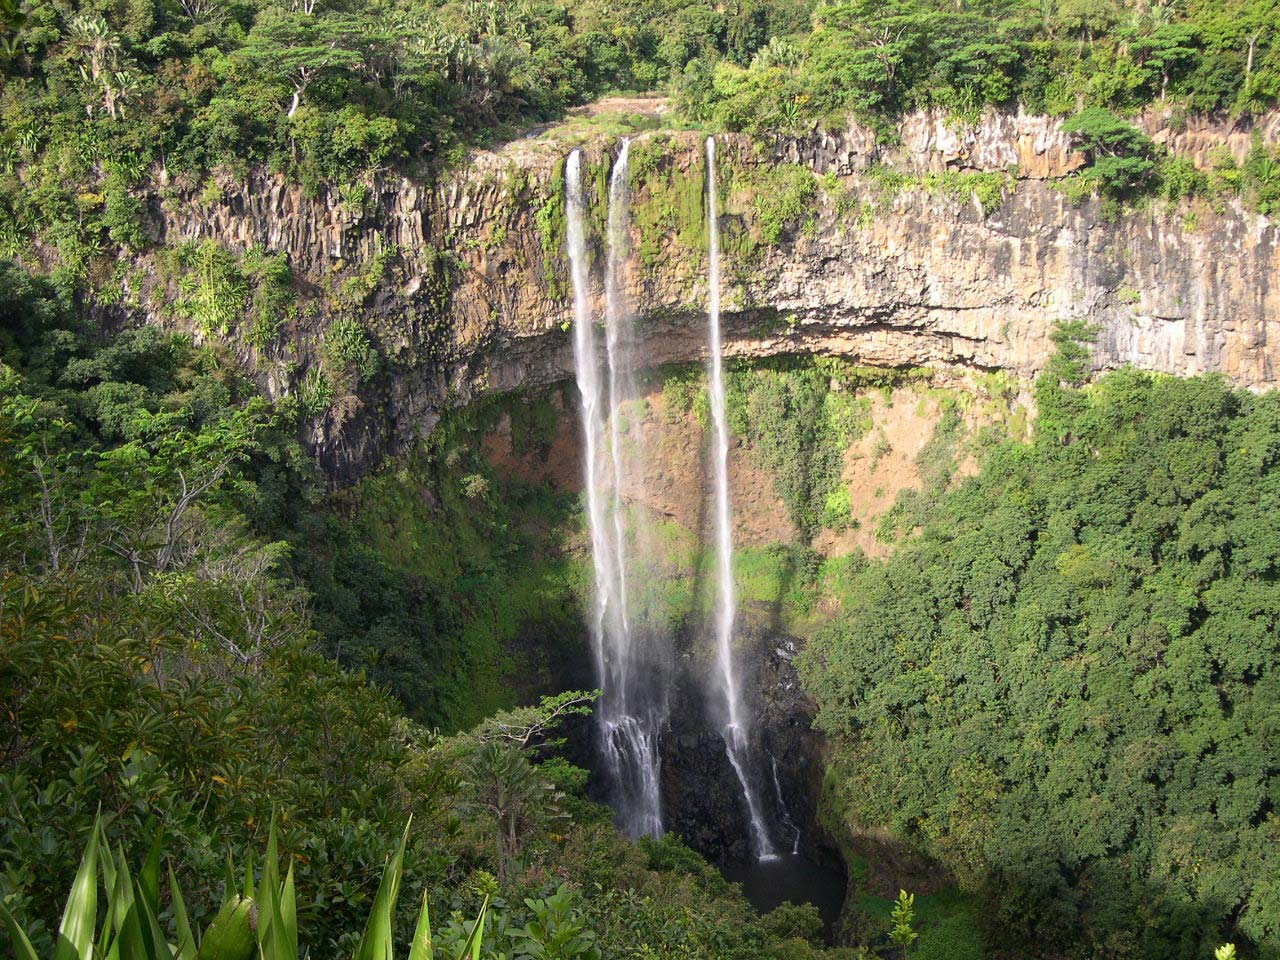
x=782, y=806
x=628, y=717
x=587, y=376
x=735, y=732
x=617, y=343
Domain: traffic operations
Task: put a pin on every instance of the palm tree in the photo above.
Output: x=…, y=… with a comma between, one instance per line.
x=508, y=787
x=99, y=49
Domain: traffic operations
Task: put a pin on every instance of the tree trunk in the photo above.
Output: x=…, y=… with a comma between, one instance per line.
x=502, y=851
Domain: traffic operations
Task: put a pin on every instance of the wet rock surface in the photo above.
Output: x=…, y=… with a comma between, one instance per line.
x=703, y=796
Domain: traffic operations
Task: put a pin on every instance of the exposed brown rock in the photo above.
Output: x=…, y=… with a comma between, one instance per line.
x=924, y=280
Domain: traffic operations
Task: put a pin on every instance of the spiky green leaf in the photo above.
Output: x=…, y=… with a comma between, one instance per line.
x=22, y=949
x=186, y=937
x=80, y=917
x=420, y=949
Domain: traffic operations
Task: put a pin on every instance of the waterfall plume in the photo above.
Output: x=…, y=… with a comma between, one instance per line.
x=735, y=730
x=629, y=714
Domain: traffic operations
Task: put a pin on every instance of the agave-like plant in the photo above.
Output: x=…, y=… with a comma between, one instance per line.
x=261, y=920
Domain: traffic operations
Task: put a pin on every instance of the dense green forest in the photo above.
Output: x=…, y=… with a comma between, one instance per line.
x=1066, y=685
x=877, y=60
x=1060, y=688
x=160, y=667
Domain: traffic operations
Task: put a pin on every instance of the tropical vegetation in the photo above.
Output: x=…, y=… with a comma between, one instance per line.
x=1065, y=685
x=165, y=695
x=1059, y=688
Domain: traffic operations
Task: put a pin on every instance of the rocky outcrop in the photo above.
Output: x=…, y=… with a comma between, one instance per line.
x=701, y=793
x=912, y=272
x=1029, y=146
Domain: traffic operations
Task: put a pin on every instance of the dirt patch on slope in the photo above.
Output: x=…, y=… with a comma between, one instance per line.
x=887, y=459
x=670, y=449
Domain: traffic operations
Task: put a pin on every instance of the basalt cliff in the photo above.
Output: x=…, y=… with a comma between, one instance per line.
x=955, y=250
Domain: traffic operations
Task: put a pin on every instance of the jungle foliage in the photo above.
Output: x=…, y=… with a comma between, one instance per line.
x=878, y=60
x=164, y=694
x=1065, y=685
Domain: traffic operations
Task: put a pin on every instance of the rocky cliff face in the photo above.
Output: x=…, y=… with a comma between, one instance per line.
x=902, y=270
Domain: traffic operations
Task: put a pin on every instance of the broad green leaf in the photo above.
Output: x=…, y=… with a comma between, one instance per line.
x=75, y=933
x=108, y=867
x=420, y=949
x=288, y=904
x=376, y=943
x=22, y=949
x=273, y=942
x=122, y=892
x=128, y=945
x=229, y=881
x=477, y=933
x=119, y=902
x=248, y=877
x=149, y=875
x=186, y=938
x=230, y=936
x=154, y=941
x=269, y=887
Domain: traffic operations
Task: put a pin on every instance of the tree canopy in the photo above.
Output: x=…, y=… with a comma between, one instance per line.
x=1066, y=687
x=878, y=59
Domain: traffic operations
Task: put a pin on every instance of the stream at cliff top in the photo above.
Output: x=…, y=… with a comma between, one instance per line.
x=794, y=877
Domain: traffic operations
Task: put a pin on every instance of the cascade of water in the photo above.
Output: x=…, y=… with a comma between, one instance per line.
x=635, y=715
x=782, y=806
x=628, y=717
x=587, y=376
x=617, y=345
x=735, y=732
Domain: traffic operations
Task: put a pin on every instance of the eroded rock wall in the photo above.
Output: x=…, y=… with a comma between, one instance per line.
x=474, y=296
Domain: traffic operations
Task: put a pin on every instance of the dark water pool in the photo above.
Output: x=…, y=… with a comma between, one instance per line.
x=791, y=877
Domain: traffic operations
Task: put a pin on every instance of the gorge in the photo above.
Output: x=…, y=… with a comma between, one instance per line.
x=895, y=495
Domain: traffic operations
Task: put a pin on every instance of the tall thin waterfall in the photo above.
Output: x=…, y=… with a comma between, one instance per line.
x=735, y=732
x=617, y=344
x=590, y=393
x=628, y=715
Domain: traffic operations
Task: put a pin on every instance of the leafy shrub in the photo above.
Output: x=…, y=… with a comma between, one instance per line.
x=1180, y=180
x=315, y=393
x=1262, y=178
x=122, y=216
x=349, y=354
x=273, y=295
x=552, y=227
x=213, y=291
x=1122, y=159
x=784, y=196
